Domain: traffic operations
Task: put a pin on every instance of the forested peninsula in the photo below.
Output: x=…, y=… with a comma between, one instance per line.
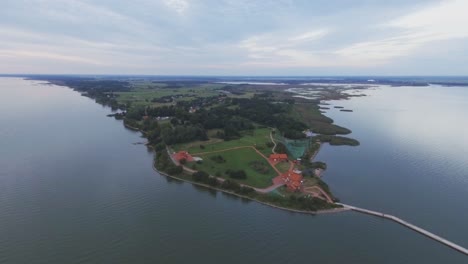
x=254, y=140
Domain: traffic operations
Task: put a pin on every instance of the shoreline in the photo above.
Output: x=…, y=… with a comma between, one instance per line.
x=318, y=212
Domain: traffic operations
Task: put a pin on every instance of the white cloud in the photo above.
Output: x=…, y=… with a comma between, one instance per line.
x=283, y=49
x=48, y=56
x=443, y=21
x=183, y=36
x=180, y=6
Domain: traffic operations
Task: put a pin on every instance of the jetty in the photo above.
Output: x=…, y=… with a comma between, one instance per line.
x=410, y=226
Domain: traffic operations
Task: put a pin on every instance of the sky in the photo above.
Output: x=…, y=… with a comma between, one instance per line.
x=234, y=37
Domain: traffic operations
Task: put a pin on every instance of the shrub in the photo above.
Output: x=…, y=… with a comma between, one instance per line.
x=237, y=174
x=200, y=176
x=218, y=159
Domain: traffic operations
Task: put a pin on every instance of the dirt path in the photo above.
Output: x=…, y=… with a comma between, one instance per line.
x=321, y=191
x=260, y=190
x=222, y=150
x=272, y=140
x=316, y=152
x=269, y=189
x=241, y=147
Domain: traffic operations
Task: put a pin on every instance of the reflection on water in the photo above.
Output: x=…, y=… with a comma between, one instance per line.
x=74, y=189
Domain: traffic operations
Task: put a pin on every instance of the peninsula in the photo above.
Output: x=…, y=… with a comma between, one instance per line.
x=253, y=139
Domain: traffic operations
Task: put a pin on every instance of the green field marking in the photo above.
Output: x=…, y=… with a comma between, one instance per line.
x=238, y=159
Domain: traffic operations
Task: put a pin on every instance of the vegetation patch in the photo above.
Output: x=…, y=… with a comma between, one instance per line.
x=218, y=159
x=338, y=140
x=260, y=167
x=236, y=174
x=239, y=159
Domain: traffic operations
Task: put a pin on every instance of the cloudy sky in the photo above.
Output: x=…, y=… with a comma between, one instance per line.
x=235, y=37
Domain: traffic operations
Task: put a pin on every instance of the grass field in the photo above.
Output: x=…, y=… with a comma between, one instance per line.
x=282, y=166
x=257, y=137
x=238, y=159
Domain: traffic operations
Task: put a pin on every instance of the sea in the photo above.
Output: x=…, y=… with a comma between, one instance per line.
x=76, y=188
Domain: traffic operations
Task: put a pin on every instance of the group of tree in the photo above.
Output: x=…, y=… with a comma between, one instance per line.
x=218, y=159
x=236, y=174
x=183, y=133
x=164, y=163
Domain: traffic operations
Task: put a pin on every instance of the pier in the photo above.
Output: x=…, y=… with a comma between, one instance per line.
x=410, y=226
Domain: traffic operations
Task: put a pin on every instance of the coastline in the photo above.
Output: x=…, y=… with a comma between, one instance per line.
x=325, y=211
x=318, y=212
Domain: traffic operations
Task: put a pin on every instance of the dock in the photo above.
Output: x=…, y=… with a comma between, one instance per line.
x=410, y=226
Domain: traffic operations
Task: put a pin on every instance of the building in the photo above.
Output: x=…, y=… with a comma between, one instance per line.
x=274, y=158
x=293, y=180
x=182, y=155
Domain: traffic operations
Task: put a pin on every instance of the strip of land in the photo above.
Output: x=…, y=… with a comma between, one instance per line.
x=254, y=140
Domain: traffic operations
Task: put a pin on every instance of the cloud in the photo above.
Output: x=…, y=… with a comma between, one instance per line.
x=180, y=6
x=282, y=48
x=225, y=36
x=444, y=21
x=48, y=56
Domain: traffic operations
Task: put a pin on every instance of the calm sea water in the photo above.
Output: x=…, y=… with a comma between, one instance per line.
x=74, y=189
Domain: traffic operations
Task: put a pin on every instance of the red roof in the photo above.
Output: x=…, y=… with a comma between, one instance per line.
x=183, y=155
x=279, y=156
x=293, y=180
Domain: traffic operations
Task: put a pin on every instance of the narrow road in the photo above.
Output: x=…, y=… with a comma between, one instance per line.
x=240, y=147
x=329, y=199
x=272, y=140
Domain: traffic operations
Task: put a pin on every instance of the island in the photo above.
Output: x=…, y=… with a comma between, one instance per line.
x=255, y=140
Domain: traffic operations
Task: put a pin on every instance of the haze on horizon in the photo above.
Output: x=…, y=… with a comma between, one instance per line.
x=234, y=37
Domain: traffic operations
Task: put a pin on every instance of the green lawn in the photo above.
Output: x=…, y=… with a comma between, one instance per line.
x=282, y=166
x=257, y=137
x=238, y=159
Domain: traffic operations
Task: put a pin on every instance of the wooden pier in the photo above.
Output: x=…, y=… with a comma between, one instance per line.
x=410, y=226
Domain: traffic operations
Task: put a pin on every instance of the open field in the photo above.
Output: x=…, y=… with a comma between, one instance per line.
x=257, y=137
x=283, y=166
x=238, y=159
x=143, y=92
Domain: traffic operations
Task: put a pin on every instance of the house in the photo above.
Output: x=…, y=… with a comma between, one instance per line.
x=278, y=158
x=293, y=180
x=182, y=155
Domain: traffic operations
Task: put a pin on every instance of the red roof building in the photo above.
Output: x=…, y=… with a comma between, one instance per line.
x=278, y=157
x=183, y=155
x=293, y=180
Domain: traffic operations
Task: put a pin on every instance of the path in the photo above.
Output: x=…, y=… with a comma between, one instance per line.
x=240, y=147
x=272, y=140
x=260, y=190
x=410, y=226
x=316, y=152
x=270, y=188
x=322, y=192
x=276, y=184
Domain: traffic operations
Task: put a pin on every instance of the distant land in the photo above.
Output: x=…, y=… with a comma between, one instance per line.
x=256, y=137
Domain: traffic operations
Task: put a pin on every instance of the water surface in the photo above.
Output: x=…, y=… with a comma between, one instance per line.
x=74, y=189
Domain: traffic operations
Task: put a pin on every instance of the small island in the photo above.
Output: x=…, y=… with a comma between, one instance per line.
x=256, y=141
